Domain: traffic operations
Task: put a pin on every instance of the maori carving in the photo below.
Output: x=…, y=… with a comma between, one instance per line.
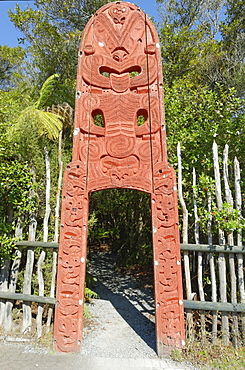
x=119, y=142
x=169, y=303
x=71, y=262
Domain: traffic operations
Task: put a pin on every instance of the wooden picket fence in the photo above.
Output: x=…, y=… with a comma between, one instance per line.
x=32, y=314
x=213, y=275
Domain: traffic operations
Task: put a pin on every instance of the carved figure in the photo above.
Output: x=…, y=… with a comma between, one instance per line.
x=119, y=142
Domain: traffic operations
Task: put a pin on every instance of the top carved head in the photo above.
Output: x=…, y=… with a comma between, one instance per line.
x=119, y=13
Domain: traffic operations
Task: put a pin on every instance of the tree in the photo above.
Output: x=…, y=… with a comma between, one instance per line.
x=52, y=33
x=47, y=123
x=10, y=60
x=202, y=14
x=196, y=116
x=233, y=32
x=200, y=45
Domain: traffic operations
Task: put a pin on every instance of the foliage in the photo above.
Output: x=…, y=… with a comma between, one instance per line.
x=52, y=33
x=191, y=13
x=11, y=60
x=196, y=117
x=46, y=122
x=88, y=296
x=232, y=30
x=15, y=186
x=7, y=246
x=123, y=218
x=227, y=218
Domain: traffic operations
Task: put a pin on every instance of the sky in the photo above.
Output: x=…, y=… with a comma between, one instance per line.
x=9, y=34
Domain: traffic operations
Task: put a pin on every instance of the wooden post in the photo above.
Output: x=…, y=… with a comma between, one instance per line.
x=13, y=278
x=41, y=292
x=56, y=230
x=221, y=259
x=27, y=318
x=240, y=265
x=212, y=272
x=199, y=258
x=45, y=239
x=189, y=293
x=4, y=276
x=26, y=325
x=229, y=200
x=119, y=39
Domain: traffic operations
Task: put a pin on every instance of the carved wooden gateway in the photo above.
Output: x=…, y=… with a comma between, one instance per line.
x=119, y=142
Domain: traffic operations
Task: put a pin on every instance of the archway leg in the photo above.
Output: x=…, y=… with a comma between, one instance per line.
x=68, y=323
x=167, y=266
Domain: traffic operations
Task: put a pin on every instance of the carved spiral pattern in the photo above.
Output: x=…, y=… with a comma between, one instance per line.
x=145, y=152
x=93, y=150
x=90, y=102
x=120, y=146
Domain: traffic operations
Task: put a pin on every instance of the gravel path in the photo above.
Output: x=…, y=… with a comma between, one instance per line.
x=122, y=323
x=123, y=317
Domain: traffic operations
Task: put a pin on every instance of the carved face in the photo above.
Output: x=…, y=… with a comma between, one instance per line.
x=165, y=209
x=119, y=13
x=71, y=268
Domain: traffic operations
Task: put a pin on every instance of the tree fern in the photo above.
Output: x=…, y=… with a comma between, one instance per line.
x=47, y=90
x=47, y=123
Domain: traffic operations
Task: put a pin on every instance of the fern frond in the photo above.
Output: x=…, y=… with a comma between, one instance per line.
x=47, y=90
x=51, y=124
x=89, y=294
x=48, y=123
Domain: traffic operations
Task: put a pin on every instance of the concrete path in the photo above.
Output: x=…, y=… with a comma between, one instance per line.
x=21, y=357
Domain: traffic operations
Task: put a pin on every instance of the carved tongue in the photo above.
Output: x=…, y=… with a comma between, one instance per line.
x=120, y=83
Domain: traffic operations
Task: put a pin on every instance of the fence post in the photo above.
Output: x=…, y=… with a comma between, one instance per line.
x=229, y=200
x=221, y=258
x=189, y=294
x=238, y=199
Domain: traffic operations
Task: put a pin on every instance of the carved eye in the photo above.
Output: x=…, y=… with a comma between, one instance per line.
x=134, y=71
x=142, y=117
x=124, y=10
x=105, y=74
x=98, y=118
x=134, y=74
x=115, y=11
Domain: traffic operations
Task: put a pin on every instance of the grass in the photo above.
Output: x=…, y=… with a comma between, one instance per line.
x=45, y=341
x=211, y=357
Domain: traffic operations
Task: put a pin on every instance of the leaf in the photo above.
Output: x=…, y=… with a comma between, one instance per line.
x=47, y=91
x=47, y=123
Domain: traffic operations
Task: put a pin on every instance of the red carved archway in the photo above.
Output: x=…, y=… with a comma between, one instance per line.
x=119, y=142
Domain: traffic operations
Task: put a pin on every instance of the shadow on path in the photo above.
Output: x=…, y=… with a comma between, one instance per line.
x=134, y=304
